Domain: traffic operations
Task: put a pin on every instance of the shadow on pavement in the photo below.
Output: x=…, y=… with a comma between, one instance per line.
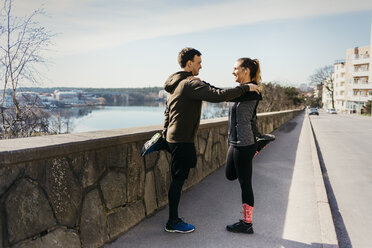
x=286, y=243
x=216, y=202
x=343, y=237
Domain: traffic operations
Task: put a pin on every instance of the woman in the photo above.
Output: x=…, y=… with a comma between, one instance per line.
x=242, y=135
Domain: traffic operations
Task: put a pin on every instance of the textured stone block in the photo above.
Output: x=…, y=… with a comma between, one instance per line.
x=208, y=150
x=150, y=160
x=8, y=175
x=64, y=191
x=197, y=148
x=28, y=211
x=1, y=232
x=209, y=155
x=202, y=145
x=150, y=193
x=125, y=218
x=224, y=145
x=93, y=168
x=192, y=179
x=77, y=162
x=59, y=238
x=265, y=124
x=93, y=228
x=217, y=156
x=117, y=156
x=223, y=130
x=199, y=167
x=135, y=175
x=203, y=133
x=102, y=158
x=29, y=244
x=114, y=189
x=36, y=170
x=162, y=180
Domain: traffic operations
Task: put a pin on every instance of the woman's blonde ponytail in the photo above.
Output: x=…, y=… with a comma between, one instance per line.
x=254, y=67
x=257, y=77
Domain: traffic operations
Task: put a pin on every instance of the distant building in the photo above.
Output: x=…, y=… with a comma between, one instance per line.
x=29, y=98
x=352, y=80
x=8, y=102
x=318, y=91
x=305, y=88
x=162, y=94
x=326, y=98
x=47, y=100
x=67, y=97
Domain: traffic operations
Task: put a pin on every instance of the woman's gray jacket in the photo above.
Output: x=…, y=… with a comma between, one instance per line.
x=242, y=129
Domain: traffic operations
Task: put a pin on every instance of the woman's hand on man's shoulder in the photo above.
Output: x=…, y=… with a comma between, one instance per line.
x=193, y=78
x=254, y=87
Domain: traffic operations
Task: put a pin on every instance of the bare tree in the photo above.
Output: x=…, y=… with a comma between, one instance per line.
x=323, y=76
x=277, y=98
x=62, y=121
x=367, y=109
x=273, y=98
x=22, y=42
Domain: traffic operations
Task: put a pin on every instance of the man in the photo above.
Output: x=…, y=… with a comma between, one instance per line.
x=182, y=118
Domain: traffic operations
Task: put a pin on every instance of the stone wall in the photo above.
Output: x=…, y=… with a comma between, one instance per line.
x=86, y=189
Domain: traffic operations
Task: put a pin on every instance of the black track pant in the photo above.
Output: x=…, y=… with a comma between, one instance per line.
x=183, y=158
x=239, y=166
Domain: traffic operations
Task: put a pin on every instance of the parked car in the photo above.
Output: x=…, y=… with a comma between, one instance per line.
x=313, y=111
x=332, y=111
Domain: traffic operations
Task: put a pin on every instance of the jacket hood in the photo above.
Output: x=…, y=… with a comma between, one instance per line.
x=174, y=79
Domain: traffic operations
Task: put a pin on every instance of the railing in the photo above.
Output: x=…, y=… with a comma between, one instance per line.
x=361, y=98
x=360, y=60
x=360, y=73
x=360, y=85
x=361, y=56
x=340, y=61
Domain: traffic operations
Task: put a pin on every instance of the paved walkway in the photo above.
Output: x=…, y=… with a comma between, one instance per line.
x=286, y=210
x=345, y=143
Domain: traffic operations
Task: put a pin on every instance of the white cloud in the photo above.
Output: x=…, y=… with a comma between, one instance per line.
x=88, y=25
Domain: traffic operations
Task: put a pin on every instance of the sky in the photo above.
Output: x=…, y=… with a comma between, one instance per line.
x=135, y=43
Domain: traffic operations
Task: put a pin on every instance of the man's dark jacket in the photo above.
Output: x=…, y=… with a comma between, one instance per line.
x=184, y=100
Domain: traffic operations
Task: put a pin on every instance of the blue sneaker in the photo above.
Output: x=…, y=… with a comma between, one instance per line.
x=179, y=227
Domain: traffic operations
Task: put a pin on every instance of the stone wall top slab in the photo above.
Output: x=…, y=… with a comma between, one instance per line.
x=34, y=148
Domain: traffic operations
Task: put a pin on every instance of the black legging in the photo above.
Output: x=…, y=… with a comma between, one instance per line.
x=174, y=196
x=183, y=158
x=239, y=165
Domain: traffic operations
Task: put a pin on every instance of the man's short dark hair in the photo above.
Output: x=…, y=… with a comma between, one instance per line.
x=187, y=54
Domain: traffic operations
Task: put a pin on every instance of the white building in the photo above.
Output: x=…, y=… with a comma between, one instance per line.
x=318, y=91
x=326, y=98
x=67, y=97
x=352, y=80
x=339, y=81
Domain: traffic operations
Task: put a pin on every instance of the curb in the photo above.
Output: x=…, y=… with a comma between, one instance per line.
x=327, y=227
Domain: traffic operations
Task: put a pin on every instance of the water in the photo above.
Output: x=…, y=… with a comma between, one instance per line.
x=113, y=117
x=85, y=119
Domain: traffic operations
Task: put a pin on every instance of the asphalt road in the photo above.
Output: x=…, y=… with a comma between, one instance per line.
x=345, y=144
x=285, y=215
